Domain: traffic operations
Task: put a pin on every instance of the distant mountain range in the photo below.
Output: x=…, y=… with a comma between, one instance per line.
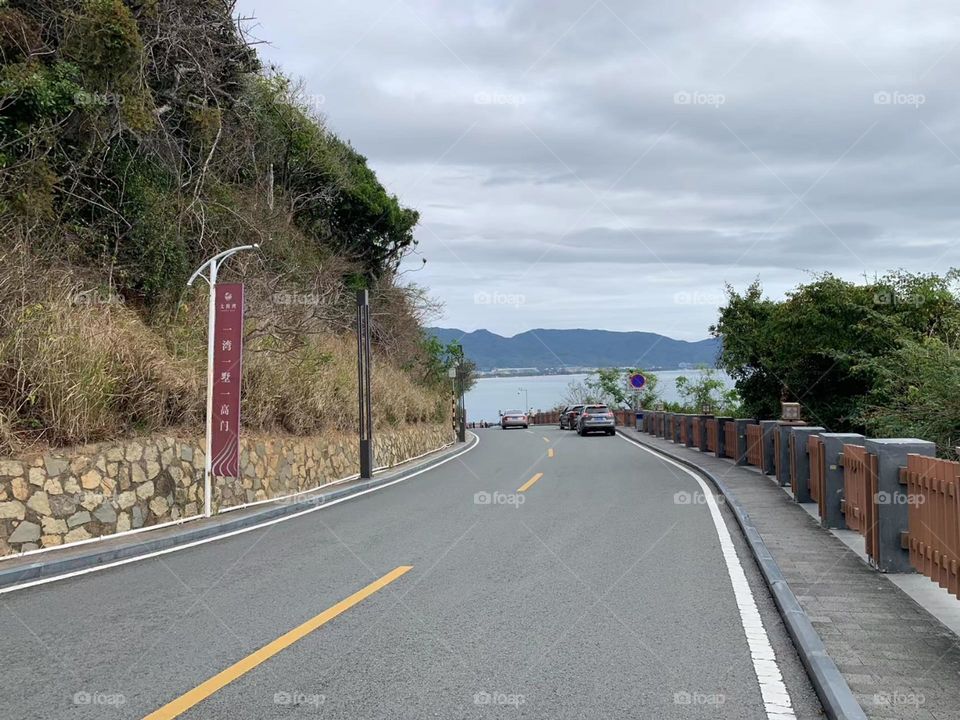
x=557, y=349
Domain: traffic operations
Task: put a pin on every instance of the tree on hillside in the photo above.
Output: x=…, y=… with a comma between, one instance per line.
x=137, y=139
x=141, y=138
x=819, y=346
x=707, y=393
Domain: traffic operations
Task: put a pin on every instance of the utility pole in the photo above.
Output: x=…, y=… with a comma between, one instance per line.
x=213, y=264
x=460, y=409
x=363, y=382
x=461, y=405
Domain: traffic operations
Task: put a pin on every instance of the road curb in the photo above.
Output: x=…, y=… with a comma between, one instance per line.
x=835, y=695
x=85, y=557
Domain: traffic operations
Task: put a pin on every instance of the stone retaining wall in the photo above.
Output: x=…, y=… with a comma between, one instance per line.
x=85, y=492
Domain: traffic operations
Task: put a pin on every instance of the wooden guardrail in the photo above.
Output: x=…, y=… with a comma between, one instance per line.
x=933, y=514
x=859, y=495
x=754, y=445
x=712, y=426
x=730, y=440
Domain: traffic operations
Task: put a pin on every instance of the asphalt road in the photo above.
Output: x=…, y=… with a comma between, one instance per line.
x=598, y=592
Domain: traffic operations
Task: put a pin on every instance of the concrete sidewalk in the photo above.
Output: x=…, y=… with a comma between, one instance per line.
x=900, y=661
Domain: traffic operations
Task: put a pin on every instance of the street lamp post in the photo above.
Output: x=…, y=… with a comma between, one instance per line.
x=526, y=399
x=213, y=264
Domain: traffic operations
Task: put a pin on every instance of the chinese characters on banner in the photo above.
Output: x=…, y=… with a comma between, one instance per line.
x=227, y=356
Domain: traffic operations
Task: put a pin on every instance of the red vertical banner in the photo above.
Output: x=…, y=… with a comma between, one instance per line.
x=227, y=363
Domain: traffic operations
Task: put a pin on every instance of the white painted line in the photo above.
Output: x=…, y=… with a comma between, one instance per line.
x=776, y=699
x=192, y=518
x=167, y=551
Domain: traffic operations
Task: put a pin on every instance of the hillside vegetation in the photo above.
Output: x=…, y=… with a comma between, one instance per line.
x=138, y=138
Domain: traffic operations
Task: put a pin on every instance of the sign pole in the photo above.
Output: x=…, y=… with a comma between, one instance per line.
x=363, y=378
x=211, y=344
x=214, y=265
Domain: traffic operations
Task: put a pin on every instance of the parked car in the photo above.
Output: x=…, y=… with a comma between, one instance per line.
x=596, y=418
x=514, y=418
x=568, y=418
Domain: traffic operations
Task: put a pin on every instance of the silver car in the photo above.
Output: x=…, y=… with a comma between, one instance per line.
x=513, y=418
x=596, y=418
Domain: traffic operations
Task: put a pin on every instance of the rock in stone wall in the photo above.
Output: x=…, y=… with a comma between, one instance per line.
x=86, y=492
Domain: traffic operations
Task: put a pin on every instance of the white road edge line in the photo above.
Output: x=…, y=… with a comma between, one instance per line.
x=776, y=699
x=215, y=538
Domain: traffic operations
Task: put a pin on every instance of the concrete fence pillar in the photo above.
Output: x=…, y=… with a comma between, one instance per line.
x=740, y=455
x=677, y=420
x=830, y=515
x=701, y=439
x=688, y=424
x=667, y=425
x=800, y=462
x=767, y=428
x=721, y=436
x=891, y=498
x=783, y=431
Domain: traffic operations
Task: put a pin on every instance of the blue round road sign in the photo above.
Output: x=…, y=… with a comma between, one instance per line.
x=637, y=381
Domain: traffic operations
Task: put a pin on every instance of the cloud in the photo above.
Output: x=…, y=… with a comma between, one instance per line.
x=619, y=162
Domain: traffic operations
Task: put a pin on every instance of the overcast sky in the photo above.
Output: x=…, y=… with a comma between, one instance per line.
x=612, y=164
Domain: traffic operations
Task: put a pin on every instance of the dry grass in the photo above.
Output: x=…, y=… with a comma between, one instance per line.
x=77, y=365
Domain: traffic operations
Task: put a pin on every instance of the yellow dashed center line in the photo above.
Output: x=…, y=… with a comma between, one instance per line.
x=550, y=452
x=224, y=678
x=529, y=483
x=546, y=440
